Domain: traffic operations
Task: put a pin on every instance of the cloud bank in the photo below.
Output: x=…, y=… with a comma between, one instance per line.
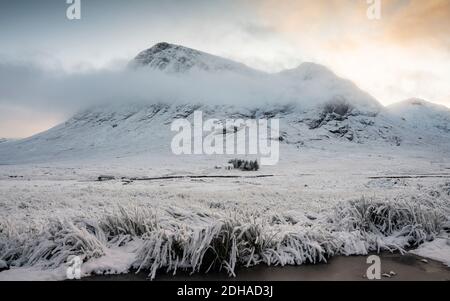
x=32, y=86
x=27, y=87
x=32, y=92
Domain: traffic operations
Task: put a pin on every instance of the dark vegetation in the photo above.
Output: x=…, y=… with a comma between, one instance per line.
x=245, y=165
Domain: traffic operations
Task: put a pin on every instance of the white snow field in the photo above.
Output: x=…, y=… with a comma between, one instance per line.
x=354, y=177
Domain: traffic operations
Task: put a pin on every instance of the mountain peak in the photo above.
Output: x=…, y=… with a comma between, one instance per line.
x=418, y=103
x=313, y=66
x=164, y=45
x=308, y=71
x=415, y=102
x=179, y=59
x=145, y=57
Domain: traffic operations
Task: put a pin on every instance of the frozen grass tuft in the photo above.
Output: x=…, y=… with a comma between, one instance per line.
x=53, y=246
x=413, y=222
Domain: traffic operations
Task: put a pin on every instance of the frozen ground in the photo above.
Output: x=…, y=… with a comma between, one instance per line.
x=406, y=267
x=318, y=204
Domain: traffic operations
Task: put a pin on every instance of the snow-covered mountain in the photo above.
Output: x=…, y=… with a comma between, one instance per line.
x=315, y=107
x=311, y=95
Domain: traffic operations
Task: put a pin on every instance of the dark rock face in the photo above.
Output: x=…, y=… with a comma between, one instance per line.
x=337, y=110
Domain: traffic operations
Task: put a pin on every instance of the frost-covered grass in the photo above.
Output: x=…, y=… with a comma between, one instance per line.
x=312, y=209
x=171, y=238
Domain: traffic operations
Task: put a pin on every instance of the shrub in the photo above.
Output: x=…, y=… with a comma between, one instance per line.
x=245, y=165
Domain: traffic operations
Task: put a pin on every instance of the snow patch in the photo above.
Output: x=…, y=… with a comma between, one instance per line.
x=438, y=249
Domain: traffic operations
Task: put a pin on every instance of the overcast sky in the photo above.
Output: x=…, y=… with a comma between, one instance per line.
x=404, y=54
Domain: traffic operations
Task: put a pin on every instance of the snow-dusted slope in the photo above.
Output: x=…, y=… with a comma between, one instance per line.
x=127, y=130
x=316, y=108
x=420, y=114
x=103, y=131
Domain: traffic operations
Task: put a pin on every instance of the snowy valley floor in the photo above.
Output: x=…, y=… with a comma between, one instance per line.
x=317, y=205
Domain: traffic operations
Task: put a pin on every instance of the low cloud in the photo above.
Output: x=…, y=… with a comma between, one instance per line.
x=28, y=85
x=33, y=97
x=51, y=95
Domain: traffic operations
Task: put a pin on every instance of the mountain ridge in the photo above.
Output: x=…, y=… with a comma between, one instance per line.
x=315, y=107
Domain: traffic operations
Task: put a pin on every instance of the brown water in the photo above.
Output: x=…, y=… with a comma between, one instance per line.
x=407, y=268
